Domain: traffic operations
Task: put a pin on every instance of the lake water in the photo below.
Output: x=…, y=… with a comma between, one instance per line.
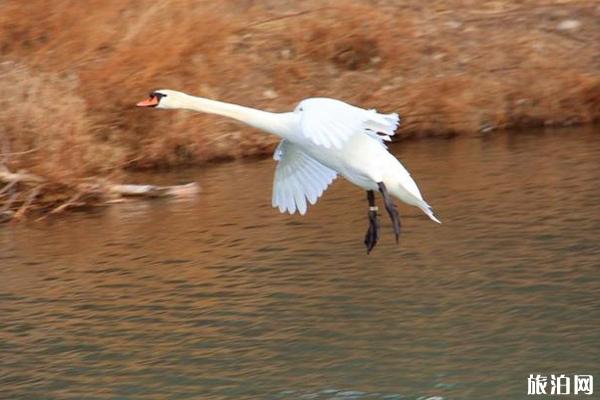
x=222, y=297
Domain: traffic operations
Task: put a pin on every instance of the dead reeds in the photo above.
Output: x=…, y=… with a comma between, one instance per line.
x=70, y=73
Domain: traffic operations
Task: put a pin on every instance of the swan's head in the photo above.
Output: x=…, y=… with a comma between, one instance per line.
x=164, y=98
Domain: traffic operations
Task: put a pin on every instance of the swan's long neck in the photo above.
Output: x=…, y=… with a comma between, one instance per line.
x=276, y=123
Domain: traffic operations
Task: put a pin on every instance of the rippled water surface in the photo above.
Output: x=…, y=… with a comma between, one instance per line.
x=222, y=297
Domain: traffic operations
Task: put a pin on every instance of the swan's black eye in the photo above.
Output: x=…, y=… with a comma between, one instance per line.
x=157, y=95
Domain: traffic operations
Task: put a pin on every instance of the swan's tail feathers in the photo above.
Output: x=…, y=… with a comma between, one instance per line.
x=402, y=186
x=426, y=208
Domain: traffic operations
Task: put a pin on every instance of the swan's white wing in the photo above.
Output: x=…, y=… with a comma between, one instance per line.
x=298, y=178
x=330, y=123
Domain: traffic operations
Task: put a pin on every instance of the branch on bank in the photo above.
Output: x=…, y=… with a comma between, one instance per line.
x=23, y=193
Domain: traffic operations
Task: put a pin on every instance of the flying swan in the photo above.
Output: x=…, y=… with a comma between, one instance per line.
x=320, y=139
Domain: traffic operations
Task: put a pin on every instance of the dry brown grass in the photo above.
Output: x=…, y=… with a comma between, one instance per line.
x=46, y=128
x=76, y=69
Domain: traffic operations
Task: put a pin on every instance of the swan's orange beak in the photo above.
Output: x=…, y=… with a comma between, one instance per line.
x=151, y=101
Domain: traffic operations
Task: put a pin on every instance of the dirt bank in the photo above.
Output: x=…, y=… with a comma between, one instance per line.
x=71, y=72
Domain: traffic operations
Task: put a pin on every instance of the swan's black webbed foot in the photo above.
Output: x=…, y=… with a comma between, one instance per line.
x=373, y=231
x=391, y=209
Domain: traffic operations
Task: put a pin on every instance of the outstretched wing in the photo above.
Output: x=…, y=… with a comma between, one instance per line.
x=330, y=123
x=298, y=178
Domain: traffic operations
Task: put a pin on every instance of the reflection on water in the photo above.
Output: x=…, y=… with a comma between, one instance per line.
x=222, y=297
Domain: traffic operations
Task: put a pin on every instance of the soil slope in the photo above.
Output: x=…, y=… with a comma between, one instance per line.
x=72, y=70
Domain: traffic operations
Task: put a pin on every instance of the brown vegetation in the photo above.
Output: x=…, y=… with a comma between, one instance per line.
x=72, y=70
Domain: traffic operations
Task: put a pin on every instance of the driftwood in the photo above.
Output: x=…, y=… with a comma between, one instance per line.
x=24, y=192
x=154, y=191
x=20, y=214
x=21, y=176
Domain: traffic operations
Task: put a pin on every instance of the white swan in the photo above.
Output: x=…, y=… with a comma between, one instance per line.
x=320, y=139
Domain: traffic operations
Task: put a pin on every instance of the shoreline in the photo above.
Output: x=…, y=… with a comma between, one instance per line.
x=24, y=195
x=70, y=80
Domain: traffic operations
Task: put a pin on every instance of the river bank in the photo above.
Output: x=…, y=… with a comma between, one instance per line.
x=70, y=75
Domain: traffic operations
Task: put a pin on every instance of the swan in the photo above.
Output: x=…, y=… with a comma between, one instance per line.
x=320, y=139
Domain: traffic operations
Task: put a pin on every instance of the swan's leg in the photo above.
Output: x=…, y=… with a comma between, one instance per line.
x=391, y=209
x=373, y=231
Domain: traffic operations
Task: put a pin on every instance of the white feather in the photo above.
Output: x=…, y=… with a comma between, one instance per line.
x=298, y=178
x=331, y=123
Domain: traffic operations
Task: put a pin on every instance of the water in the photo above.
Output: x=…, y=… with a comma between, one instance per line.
x=222, y=297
